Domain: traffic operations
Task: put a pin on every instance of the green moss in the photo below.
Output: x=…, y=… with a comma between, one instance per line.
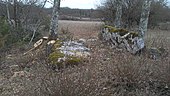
x=72, y=61
x=121, y=31
x=69, y=62
x=134, y=34
x=111, y=29
x=53, y=57
x=58, y=44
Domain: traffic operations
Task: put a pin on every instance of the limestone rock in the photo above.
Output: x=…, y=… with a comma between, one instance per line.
x=74, y=48
x=83, y=41
x=118, y=36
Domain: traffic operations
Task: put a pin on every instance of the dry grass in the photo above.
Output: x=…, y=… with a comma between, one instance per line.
x=107, y=72
x=81, y=29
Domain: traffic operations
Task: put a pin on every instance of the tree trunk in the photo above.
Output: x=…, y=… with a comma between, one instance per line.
x=54, y=21
x=15, y=14
x=144, y=18
x=53, y=33
x=118, y=18
x=8, y=14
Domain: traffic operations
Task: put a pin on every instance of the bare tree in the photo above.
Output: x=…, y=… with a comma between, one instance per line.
x=54, y=20
x=8, y=13
x=37, y=25
x=15, y=13
x=118, y=18
x=53, y=33
x=144, y=18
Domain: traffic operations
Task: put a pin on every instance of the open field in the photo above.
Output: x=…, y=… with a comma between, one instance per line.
x=158, y=38
x=90, y=29
x=81, y=29
x=107, y=72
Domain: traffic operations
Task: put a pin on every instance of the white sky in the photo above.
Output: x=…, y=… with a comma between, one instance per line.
x=81, y=4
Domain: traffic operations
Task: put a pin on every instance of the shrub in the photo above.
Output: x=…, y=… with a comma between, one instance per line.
x=4, y=27
x=37, y=36
x=4, y=31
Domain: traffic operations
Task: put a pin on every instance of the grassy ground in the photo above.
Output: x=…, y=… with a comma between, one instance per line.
x=81, y=29
x=106, y=72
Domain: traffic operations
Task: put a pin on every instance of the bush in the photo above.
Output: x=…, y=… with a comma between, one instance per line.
x=4, y=31
x=37, y=36
x=4, y=27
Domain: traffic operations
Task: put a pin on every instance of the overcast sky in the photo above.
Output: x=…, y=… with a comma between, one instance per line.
x=81, y=4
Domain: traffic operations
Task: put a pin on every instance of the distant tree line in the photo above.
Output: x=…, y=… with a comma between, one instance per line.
x=160, y=12
x=67, y=13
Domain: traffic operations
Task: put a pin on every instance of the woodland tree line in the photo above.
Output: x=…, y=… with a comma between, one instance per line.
x=159, y=12
x=24, y=21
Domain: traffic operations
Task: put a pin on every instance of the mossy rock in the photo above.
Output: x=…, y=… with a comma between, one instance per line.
x=54, y=57
x=111, y=29
x=57, y=45
x=121, y=31
x=70, y=61
x=134, y=34
x=54, y=62
x=58, y=60
x=73, y=61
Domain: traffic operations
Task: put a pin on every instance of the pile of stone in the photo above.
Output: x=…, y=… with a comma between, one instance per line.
x=122, y=38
